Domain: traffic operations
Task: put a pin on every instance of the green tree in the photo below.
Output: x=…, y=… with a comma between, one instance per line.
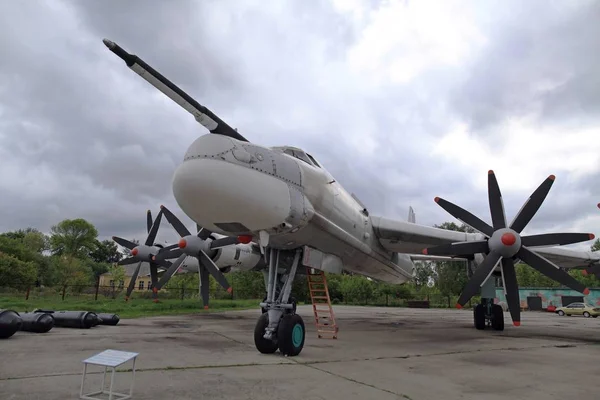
x=72, y=271
x=73, y=237
x=356, y=288
x=424, y=273
x=15, y=272
x=106, y=251
x=452, y=275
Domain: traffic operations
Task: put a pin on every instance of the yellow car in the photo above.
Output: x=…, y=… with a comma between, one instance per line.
x=579, y=309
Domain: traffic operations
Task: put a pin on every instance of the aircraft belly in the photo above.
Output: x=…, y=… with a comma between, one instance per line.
x=359, y=261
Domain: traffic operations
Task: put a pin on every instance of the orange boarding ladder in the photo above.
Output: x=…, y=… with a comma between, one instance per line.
x=319, y=294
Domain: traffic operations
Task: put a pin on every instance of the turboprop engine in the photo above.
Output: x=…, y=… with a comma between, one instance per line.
x=239, y=257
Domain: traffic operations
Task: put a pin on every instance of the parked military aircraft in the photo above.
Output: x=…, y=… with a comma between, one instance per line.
x=284, y=202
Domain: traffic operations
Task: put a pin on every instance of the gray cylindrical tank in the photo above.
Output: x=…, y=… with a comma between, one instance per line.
x=10, y=322
x=37, y=322
x=109, y=319
x=73, y=319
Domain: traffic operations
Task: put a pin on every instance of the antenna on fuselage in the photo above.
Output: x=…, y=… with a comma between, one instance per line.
x=411, y=215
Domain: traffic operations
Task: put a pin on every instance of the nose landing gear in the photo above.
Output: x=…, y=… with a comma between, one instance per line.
x=279, y=327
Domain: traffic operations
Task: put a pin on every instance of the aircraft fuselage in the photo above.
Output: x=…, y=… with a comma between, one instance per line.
x=233, y=187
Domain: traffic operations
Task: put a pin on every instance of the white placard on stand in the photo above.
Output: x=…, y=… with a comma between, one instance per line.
x=109, y=359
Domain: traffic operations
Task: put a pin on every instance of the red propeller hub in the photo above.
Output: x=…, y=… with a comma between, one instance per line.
x=182, y=244
x=245, y=239
x=508, y=239
x=134, y=252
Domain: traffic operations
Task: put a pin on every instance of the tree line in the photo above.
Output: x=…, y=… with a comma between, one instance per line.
x=72, y=255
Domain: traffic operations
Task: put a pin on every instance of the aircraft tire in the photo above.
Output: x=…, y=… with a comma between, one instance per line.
x=479, y=317
x=263, y=345
x=291, y=335
x=497, y=317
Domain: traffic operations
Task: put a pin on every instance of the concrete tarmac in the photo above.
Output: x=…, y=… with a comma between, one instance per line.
x=381, y=353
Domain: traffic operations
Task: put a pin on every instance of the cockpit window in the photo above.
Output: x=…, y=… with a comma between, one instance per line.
x=299, y=155
x=313, y=160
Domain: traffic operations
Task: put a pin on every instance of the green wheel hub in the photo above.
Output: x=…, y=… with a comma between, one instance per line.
x=297, y=335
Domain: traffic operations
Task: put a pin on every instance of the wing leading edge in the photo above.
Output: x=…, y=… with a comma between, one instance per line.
x=410, y=238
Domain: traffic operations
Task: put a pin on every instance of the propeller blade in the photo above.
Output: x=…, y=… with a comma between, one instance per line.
x=465, y=216
x=479, y=277
x=548, y=268
x=458, y=248
x=153, y=274
x=204, y=285
x=511, y=287
x=132, y=281
x=594, y=269
x=149, y=220
x=496, y=203
x=164, y=255
x=175, y=222
x=203, y=233
x=549, y=239
x=127, y=261
x=170, y=247
x=154, y=230
x=214, y=270
x=169, y=272
x=532, y=205
x=124, y=242
x=226, y=241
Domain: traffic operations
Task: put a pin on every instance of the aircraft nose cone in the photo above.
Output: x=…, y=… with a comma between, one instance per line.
x=508, y=239
x=228, y=198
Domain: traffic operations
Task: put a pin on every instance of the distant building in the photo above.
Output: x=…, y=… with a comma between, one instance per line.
x=143, y=281
x=541, y=298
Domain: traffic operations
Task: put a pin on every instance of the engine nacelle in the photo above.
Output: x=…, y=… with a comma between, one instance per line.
x=241, y=257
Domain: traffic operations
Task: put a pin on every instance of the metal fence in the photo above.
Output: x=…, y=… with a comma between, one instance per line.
x=189, y=292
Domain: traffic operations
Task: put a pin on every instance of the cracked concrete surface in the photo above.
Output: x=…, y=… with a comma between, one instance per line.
x=380, y=354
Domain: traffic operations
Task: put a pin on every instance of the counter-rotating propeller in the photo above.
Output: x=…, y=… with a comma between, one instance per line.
x=505, y=244
x=144, y=253
x=200, y=246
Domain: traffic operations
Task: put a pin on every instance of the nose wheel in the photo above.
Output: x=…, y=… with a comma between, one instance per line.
x=279, y=327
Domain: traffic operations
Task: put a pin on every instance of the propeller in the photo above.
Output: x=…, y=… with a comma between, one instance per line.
x=504, y=244
x=144, y=253
x=202, y=249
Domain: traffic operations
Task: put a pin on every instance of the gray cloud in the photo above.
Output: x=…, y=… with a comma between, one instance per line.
x=83, y=136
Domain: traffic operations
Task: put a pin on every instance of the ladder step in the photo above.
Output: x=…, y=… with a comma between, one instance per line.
x=319, y=295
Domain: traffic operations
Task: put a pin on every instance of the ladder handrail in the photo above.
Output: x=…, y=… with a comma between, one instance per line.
x=331, y=317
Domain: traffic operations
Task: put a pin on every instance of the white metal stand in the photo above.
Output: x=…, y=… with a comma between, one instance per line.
x=108, y=359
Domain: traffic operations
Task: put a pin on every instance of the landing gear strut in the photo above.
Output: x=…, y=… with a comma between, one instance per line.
x=279, y=327
x=487, y=313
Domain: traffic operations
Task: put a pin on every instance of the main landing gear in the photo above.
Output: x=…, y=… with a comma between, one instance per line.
x=487, y=313
x=279, y=327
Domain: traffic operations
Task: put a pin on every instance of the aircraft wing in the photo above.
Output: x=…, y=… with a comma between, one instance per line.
x=410, y=238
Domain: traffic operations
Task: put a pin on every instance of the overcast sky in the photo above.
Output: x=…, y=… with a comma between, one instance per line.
x=401, y=101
